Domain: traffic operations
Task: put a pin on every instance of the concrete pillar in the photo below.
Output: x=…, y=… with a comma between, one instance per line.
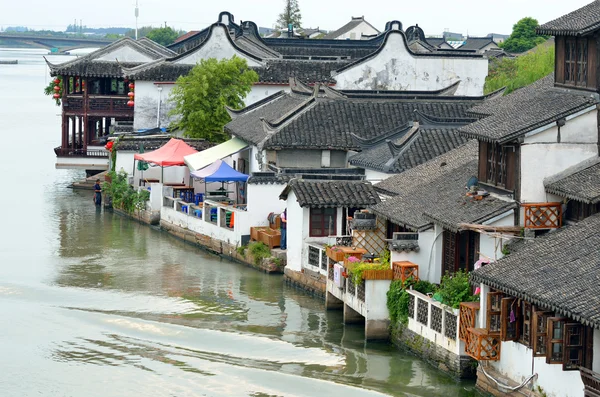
x=377, y=329
x=351, y=316
x=333, y=303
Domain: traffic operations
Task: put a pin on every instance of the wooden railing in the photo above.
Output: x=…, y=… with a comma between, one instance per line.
x=468, y=315
x=98, y=104
x=481, y=346
x=69, y=152
x=542, y=215
x=591, y=381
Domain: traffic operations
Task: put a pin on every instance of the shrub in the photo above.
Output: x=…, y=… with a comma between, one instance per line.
x=455, y=288
x=259, y=251
x=398, y=298
x=123, y=194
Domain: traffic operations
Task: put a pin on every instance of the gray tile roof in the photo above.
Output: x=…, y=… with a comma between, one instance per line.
x=581, y=182
x=435, y=191
x=331, y=193
x=247, y=123
x=559, y=271
x=150, y=144
x=330, y=123
x=268, y=178
x=164, y=51
x=579, y=22
x=406, y=152
x=476, y=43
x=524, y=110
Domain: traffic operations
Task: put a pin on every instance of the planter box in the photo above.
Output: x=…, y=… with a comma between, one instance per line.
x=378, y=274
x=270, y=237
x=336, y=256
x=254, y=232
x=357, y=255
x=364, y=224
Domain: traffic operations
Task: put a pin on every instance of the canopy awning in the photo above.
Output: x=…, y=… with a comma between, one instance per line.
x=219, y=171
x=206, y=157
x=172, y=153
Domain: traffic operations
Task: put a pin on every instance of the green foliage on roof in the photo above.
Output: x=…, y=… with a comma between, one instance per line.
x=521, y=71
x=200, y=98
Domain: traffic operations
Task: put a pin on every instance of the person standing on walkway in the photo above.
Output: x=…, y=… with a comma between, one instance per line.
x=97, y=193
x=283, y=228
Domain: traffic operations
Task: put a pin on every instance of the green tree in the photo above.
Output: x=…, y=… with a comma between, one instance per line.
x=201, y=96
x=523, y=36
x=163, y=36
x=291, y=14
x=521, y=71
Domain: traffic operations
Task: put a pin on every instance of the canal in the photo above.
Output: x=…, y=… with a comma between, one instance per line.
x=92, y=304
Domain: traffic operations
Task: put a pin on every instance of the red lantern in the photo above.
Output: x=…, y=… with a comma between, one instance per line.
x=109, y=146
x=56, y=88
x=131, y=86
x=56, y=96
x=130, y=94
x=130, y=103
x=57, y=81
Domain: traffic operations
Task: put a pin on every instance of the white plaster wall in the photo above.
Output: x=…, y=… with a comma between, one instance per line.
x=490, y=246
x=261, y=91
x=376, y=299
x=262, y=200
x=427, y=268
x=145, y=111
x=295, y=233
x=125, y=54
x=555, y=158
x=376, y=176
x=517, y=363
x=394, y=68
x=253, y=160
x=357, y=32
x=217, y=46
x=581, y=127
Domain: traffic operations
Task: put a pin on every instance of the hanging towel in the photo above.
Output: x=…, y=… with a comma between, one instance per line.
x=231, y=220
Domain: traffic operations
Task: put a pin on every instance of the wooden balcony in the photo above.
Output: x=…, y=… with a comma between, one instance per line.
x=98, y=105
x=591, y=381
x=542, y=215
x=468, y=315
x=481, y=346
x=69, y=152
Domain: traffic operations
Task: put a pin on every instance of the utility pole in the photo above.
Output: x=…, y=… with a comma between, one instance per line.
x=137, y=14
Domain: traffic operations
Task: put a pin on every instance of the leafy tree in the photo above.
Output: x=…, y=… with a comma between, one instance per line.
x=291, y=14
x=201, y=96
x=142, y=32
x=163, y=36
x=521, y=71
x=523, y=36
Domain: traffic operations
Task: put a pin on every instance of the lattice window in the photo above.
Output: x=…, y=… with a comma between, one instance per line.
x=539, y=332
x=526, y=324
x=313, y=256
x=556, y=343
x=582, y=57
x=351, y=287
x=450, y=325
x=324, y=260
x=436, y=319
x=574, y=346
x=510, y=319
x=330, y=272
x=494, y=313
x=360, y=291
x=411, y=306
x=570, y=57
x=422, y=311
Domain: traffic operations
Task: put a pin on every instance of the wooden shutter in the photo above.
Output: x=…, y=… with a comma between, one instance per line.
x=559, y=63
x=592, y=63
x=449, y=255
x=555, y=342
x=525, y=323
x=483, y=153
x=539, y=333
x=589, y=347
x=511, y=167
x=574, y=346
x=494, y=313
x=509, y=330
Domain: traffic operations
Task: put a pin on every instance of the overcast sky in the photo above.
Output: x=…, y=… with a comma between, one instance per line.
x=475, y=17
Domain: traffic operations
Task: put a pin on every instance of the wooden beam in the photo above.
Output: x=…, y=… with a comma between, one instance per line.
x=490, y=228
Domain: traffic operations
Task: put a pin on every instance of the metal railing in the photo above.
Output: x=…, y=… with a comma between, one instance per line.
x=70, y=152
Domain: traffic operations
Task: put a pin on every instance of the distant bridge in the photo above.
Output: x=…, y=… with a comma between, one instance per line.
x=27, y=40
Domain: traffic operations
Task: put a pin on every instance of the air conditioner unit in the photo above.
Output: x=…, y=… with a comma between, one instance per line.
x=402, y=241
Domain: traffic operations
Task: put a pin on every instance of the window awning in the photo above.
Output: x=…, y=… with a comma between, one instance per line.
x=199, y=160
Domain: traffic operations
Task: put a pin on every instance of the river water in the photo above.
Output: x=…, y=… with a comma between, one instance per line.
x=92, y=304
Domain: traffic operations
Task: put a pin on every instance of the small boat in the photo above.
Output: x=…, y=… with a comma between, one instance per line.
x=9, y=61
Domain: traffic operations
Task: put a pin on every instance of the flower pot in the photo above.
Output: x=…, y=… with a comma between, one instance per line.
x=335, y=254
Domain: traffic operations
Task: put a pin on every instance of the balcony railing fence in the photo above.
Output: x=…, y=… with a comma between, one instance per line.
x=542, y=215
